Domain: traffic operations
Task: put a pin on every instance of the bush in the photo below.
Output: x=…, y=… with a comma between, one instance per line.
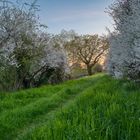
x=97, y=68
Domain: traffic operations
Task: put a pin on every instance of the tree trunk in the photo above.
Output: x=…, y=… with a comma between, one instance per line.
x=26, y=83
x=89, y=70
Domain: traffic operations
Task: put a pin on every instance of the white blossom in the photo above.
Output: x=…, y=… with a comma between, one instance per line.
x=124, y=58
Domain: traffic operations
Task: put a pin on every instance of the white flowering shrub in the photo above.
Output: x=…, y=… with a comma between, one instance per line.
x=124, y=56
x=54, y=59
x=28, y=56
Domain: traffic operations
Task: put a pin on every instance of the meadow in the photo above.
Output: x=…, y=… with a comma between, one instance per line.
x=97, y=107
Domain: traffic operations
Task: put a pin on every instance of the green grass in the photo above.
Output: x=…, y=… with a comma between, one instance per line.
x=92, y=108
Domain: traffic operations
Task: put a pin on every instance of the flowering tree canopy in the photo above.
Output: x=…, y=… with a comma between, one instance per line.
x=124, y=58
x=87, y=49
x=28, y=54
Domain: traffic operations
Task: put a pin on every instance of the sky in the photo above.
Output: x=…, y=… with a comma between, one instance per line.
x=83, y=16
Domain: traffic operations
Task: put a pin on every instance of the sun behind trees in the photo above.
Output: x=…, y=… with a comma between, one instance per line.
x=87, y=49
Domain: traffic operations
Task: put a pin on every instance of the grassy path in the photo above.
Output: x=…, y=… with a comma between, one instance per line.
x=109, y=110
x=15, y=120
x=44, y=119
x=96, y=107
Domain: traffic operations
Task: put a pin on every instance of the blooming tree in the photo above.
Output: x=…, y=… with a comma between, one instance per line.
x=28, y=56
x=87, y=49
x=124, y=56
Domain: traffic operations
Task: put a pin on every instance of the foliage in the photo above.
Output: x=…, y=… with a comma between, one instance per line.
x=30, y=57
x=97, y=68
x=98, y=107
x=33, y=55
x=124, y=58
x=87, y=49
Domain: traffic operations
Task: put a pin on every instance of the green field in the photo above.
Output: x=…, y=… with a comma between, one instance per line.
x=92, y=108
